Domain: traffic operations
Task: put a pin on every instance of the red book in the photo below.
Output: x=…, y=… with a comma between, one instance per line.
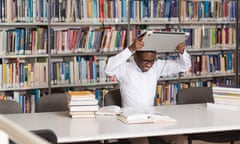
x=101, y=9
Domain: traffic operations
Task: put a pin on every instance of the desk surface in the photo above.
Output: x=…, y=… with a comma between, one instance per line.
x=190, y=119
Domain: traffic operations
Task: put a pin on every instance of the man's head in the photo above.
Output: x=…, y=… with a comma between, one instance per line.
x=145, y=59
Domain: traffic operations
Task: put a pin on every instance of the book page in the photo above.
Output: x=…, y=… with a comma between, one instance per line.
x=110, y=110
x=134, y=115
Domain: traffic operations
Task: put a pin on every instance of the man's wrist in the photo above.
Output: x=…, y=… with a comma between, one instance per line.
x=132, y=49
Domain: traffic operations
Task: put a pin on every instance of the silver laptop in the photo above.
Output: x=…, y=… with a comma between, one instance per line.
x=162, y=41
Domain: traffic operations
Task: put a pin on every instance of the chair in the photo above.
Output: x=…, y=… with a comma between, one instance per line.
x=113, y=97
x=46, y=134
x=204, y=95
x=9, y=107
x=52, y=103
x=195, y=95
x=12, y=107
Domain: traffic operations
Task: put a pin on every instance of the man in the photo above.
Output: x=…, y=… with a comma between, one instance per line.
x=138, y=71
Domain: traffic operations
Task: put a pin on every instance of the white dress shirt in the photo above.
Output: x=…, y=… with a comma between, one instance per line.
x=139, y=88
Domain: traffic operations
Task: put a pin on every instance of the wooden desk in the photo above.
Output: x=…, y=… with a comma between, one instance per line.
x=190, y=119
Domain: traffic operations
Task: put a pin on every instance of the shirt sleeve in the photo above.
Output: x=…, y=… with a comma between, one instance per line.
x=169, y=67
x=116, y=63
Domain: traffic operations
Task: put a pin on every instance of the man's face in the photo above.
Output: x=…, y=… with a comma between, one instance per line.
x=145, y=60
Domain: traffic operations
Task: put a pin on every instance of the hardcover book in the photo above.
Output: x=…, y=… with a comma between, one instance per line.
x=137, y=116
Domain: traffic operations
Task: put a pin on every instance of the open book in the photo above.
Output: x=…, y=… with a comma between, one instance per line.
x=133, y=116
x=110, y=110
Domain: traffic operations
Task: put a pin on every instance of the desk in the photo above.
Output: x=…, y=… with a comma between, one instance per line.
x=190, y=119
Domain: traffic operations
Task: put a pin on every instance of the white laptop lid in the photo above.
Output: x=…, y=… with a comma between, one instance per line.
x=162, y=41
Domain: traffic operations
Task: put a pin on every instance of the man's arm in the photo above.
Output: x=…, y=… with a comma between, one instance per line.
x=169, y=67
x=114, y=62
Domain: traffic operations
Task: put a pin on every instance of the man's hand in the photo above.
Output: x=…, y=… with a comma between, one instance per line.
x=137, y=44
x=180, y=47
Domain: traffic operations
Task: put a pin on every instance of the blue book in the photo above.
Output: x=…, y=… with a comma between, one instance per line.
x=233, y=9
x=167, y=8
x=46, y=10
x=22, y=75
x=40, y=12
x=176, y=8
x=37, y=96
x=94, y=69
x=96, y=40
x=94, y=10
x=22, y=41
x=67, y=72
x=64, y=69
x=124, y=10
x=229, y=62
x=206, y=8
x=132, y=8
x=98, y=94
x=83, y=70
x=155, y=8
x=31, y=10
x=90, y=42
x=200, y=10
x=79, y=67
x=18, y=40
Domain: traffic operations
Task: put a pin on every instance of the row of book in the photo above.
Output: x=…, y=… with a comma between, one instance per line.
x=212, y=63
x=80, y=69
x=26, y=99
x=89, y=39
x=27, y=41
x=23, y=41
x=192, y=10
x=217, y=37
x=17, y=74
x=114, y=10
x=82, y=104
x=23, y=10
x=88, y=10
x=166, y=93
x=109, y=39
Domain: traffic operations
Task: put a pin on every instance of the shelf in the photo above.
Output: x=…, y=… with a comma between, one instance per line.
x=26, y=56
x=84, y=54
x=24, y=88
x=89, y=84
x=22, y=24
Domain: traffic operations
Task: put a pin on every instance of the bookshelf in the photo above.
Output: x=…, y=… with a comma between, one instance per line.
x=72, y=42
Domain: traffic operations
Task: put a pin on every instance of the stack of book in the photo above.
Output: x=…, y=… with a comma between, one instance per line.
x=82, y=104
x=226, y=96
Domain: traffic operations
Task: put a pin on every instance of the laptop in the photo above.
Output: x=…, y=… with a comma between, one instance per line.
x=162, y=41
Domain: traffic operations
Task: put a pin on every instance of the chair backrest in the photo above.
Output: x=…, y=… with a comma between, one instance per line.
x=9, y=107
x=46, y=134
x=113, y=97
x=194, y=95
x=52, y=103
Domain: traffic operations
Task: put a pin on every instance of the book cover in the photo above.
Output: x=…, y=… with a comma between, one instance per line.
x=135, y=116
x=111, y=110
x=83, y=102
x=84, y=108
